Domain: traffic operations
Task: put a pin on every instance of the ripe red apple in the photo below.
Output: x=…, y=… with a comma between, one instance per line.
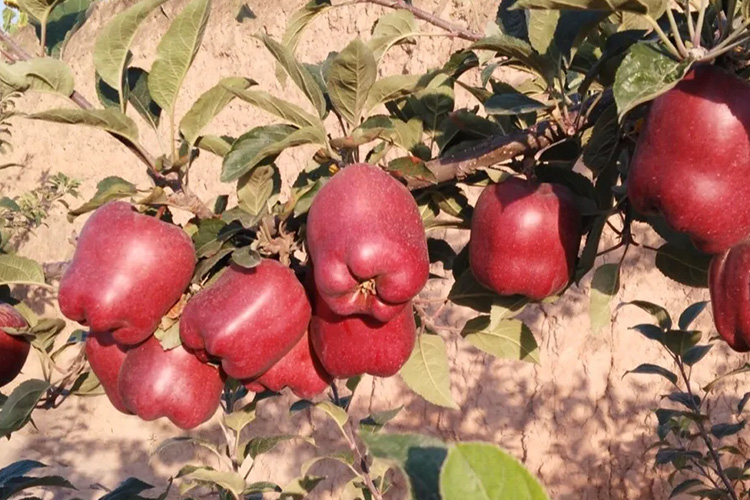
x=367, y=242
x=14, y=350
x=155, y=383
x=300, y=370
x=248, y=319
x=524, y=238
x=729, y=286
x=352, y=345
x=106, y=358
x=692, y=159
x=128, y=270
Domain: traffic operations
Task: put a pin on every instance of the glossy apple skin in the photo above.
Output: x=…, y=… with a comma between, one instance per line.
x=248, y=319
x=14, y=350
x=128, y=270
x=300, y=370
x=692, y=159
x=364, y=225
x=729, y=286
x=106, y=358
x=175, y=384
x=353, y=345
x=524, y=238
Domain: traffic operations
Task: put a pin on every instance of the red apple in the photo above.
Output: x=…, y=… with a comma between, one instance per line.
x=300, y=370
x=352, y=345
x=367, y=242
x=692, y=159
x=729, y=286
x=155, y=383
x=14, y=350
x=248, y=319
x=128, y=270
x=524, y=238
x=106, y=358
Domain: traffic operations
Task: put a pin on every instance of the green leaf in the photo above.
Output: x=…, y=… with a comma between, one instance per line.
x=427, y=373
x=112, y=46
x=506, y=339
x=108, y=189
x=684, y=265
x=679, y=341
x=140, y=96
x=18, y=469
x=351, y=76
x=638, y=6
x=658, y=312
x=106, y=94
x=419, y=456
x=742, y=369
x=287, y=111
x=344, y=457
x=169, y=338
x=337, y=413
x=483, y=471
x=511, y=22
x=723, y=430
x=690, y=314
x=13, y=78
x=47, y=75
x=650, y=369
x=467, y=292
x=263, y=444
x=410, y=167
x=110, y=120
x=38, y=9
x=651, y=332
x=205, y=475
x=299, y=74
x=255, y=188
x=299, y=21
x=176, y=52
x=684, y=486
x=215, y=144
x=601, y=145
x=246, y=257
x=390, y=88
x=517, y=49
x=63, y=22
x=695, y=354
x=511, y=104
x=299, y=488
x=376, y=421
x=239, y=419
x=644, y=74
x=127, y=490
x=391, y=29
x=604, y=286
x=17, y=270
x=261, y=145
x=16, y=411
x=19, y=484
x=542, y=27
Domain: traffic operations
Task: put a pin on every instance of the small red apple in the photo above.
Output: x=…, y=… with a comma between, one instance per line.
x=155, y=383
x=106, y=358
x=300, y=370
x=14, y=350
x=692, y=159
x=729, y=287
x=367, y=242
x=524, y=238
x=248, y=319
x=128, y=270
x=352, y=345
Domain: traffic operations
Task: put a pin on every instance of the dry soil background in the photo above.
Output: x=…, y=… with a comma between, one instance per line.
x=574, y=420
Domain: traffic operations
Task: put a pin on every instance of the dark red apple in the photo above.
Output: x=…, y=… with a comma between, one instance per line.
x=128, y=270
x=155, y=383
x=524, y=238
x=692, y=159
x=300, y=370
x=14, y=350
x=367, y=242
x=248, y=319
x=106, y=358
x=352, y=345
x=729, y=287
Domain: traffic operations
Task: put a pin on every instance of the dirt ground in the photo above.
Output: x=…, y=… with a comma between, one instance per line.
x=574, y=420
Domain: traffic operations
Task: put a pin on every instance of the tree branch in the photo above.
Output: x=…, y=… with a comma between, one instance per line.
x=460, y=32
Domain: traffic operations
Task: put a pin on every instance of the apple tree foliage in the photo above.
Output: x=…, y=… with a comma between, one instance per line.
x=592, y=67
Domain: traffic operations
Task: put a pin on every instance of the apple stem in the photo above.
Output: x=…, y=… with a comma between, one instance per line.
x=739, y=32
x=716, y=53
x=663, y=36
x=676, y=34
x=699, y=24
x=689, y=19
x=731, y=7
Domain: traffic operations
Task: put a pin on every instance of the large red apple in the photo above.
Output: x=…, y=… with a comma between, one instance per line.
x=128, y=270
x=367, y=242
x=155, y=383
x=300, y=370
x=106, y=358
x=524, y=238
x=13, y=349
x=352, y=345
x=729, y=286
x=692, y=160
x=248, y=319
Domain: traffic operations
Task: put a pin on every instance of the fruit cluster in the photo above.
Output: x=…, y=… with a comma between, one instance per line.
x=691, y=166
